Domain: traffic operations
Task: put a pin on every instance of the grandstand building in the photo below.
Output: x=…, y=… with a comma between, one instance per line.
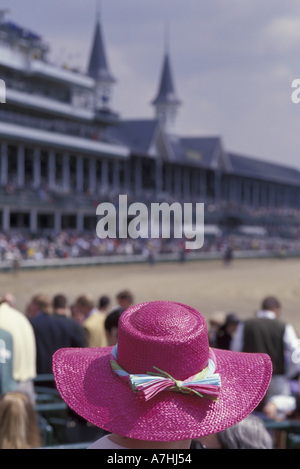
x=63, y=149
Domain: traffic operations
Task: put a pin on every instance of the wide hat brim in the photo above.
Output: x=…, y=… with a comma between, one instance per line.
x=88, y=385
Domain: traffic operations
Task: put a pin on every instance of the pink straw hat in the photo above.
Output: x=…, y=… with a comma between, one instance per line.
x=161, y=382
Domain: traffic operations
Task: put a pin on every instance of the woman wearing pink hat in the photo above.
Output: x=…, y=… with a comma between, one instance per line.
x=162, y=385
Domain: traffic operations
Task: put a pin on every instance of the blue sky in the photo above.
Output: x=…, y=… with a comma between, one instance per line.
x=233, y=62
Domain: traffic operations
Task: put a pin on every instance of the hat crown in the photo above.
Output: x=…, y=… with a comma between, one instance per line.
x=170, y=336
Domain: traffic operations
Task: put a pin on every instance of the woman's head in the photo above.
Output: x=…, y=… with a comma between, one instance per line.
x=18, y=422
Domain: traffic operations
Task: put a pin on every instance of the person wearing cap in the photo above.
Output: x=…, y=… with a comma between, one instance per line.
x=162, y=385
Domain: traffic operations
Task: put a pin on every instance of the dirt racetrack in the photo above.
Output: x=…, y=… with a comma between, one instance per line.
x=206, y=285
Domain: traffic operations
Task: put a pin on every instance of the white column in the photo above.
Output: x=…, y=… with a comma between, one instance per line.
x=127, y=179
x=66, y=172
x=104, y=176
x=116, y=176
x=4, y=164
x=51, y=168
x=92, y=175
x=79, y=173
x=36, y=168
x=20, y=162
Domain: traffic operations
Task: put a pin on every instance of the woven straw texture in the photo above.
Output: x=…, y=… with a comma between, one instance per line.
x=172, y=337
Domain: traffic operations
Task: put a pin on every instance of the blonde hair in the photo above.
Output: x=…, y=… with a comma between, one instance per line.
x=44, y=303
x=19, y=427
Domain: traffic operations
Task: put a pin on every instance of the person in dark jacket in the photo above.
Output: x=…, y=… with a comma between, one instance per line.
x=226, y=332
x=61, y=311
x=51, y=332
x=266, y=333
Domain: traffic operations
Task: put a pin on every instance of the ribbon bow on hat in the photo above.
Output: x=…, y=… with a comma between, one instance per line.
x=206, y=383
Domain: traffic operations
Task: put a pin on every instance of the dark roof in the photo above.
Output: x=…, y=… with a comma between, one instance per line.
x=262, y=169
x=166, y=92
x=140, y=134
x=98, y=66
x=137, y=134
x=206, y=152
x=202, y=151
x=176, y=149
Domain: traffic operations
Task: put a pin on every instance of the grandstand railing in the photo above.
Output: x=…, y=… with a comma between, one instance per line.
x=6, y=265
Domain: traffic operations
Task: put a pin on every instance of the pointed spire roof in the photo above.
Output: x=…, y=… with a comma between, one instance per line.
x=98, y=65
x=166, y=92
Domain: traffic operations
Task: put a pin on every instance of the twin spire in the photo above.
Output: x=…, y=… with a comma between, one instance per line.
x=165, y=102
x=99, y=70
x=98, y=65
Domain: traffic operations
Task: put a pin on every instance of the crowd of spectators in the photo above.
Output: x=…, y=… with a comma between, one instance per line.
x=71, y=245
x=67, y=244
